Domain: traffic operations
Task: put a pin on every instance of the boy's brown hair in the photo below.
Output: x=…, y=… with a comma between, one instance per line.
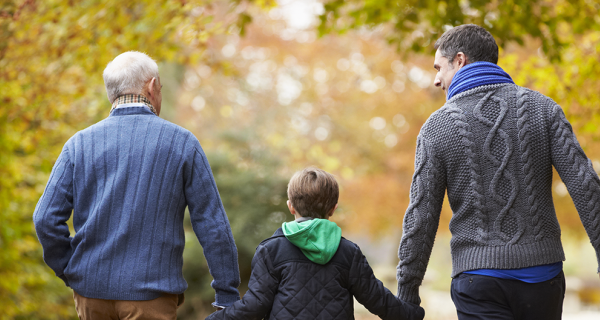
x=313, y=192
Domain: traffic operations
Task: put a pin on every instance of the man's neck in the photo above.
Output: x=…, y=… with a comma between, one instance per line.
x=133, y=98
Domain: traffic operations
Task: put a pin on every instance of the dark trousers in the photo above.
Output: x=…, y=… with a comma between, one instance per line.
x=481, y=297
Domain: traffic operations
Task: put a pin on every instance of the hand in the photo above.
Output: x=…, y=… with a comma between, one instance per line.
x=218, y=307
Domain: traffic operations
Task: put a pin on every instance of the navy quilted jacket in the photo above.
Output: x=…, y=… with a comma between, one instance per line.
x=286, y=285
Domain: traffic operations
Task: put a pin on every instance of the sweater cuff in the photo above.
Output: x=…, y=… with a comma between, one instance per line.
x=226, y=299
x=409, y=293
x=596, y=245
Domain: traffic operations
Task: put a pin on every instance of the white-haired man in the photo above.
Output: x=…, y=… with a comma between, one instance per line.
x=127, y=180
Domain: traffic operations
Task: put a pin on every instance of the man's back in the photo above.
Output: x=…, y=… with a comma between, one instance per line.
x=493, y=149
x=498, y=161
x=132, y=175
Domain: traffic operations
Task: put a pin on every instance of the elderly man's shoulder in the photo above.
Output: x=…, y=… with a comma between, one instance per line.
x=110, y=124
x=109, y=129
x=174, y=127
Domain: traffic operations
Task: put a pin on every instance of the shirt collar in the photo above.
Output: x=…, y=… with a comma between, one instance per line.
x=127, y=99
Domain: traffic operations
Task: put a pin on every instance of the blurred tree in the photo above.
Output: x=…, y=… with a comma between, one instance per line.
x=52, y=54
x=345, y=104
x=567, y=33
x=415, y=25
x=262, y=105
x=254, y=197
x=558, y=54
x=351, y=106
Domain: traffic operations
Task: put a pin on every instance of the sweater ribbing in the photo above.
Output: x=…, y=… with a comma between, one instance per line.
x=128, y=180
x=493, y=148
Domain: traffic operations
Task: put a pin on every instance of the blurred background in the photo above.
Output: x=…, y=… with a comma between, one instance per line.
x=270, y=87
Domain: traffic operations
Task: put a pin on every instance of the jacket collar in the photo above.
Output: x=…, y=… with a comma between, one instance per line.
x=278, y=233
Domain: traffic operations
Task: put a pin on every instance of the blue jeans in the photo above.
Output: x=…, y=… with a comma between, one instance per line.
x=481, y=297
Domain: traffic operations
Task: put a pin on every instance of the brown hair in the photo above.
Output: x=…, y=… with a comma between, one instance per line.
x=472, y=40
x=313, y=192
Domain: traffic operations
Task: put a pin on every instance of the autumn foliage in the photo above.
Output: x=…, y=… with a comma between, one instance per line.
x=265, y=95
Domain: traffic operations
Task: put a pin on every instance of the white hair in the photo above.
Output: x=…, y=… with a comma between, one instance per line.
x=128, y=73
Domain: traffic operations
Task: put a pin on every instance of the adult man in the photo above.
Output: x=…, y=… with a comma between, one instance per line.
x=492, y=147
x=127, y=180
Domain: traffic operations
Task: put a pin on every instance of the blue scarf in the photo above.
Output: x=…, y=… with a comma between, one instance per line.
x=477, y=74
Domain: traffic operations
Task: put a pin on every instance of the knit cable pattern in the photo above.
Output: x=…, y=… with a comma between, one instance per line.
x=526, y=141
x=501, y=163
x=586, y=177
x=466, y=137
x=422, y=199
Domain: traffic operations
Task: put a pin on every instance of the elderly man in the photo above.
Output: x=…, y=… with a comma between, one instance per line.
x=128, y=180
x=492, y=147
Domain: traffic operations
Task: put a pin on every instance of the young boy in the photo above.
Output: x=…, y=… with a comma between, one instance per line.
x=306, y=270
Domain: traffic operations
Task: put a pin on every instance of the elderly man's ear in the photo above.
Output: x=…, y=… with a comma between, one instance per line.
x=153, y=93
x=152, y=88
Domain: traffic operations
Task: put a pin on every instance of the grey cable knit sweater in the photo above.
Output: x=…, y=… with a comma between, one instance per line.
x=492, y=148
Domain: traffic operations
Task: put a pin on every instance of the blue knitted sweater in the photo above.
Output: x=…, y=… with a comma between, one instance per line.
x=128, y=180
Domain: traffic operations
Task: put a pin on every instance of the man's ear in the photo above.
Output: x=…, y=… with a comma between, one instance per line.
x=151, y=87
x=460, y=60
x=332, y=211
x=292, y=210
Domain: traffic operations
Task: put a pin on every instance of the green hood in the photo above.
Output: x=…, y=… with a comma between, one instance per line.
x=318, y=239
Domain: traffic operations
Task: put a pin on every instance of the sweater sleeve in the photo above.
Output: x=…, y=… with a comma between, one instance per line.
x=212, y=228
x=51, y=214
x=262, y=287
x=371, y=293
x=420, y=221
x=578, y=175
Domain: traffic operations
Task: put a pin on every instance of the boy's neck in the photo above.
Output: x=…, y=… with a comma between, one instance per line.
x=302, y=219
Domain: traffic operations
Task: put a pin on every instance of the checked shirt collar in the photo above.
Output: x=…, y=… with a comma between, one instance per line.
x=132, y=98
